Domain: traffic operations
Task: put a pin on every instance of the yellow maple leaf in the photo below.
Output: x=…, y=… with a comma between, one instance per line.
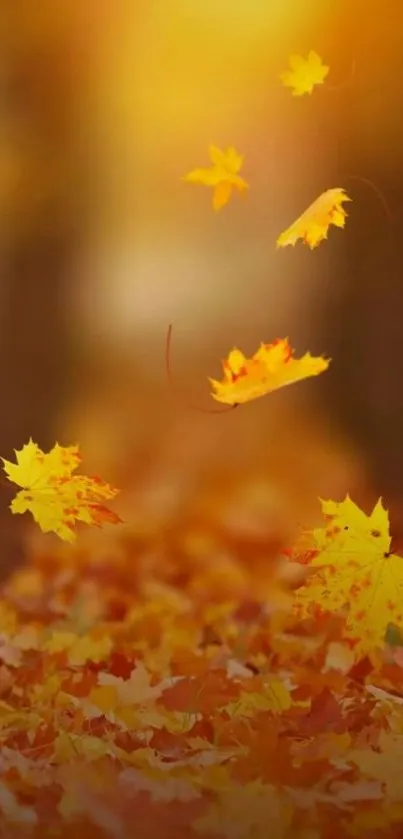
x=69, y=746
x=223, y=175
x=305, y=73
x=313, y=225
x=104, y=697
x=56, y=498
x=60, y=641
x=64, y=749
x=276, y=698
x=136, y=690
x=357, y=573
x=270, y=368
x=81, y=649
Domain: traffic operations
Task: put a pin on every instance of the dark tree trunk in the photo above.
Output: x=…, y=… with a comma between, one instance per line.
x=363, y=309
x=38, y=244
x=34, y=358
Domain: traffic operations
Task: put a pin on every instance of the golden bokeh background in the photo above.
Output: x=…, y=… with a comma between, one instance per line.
x=104, y=106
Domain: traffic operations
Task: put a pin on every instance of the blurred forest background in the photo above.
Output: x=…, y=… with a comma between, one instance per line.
x=103, y=107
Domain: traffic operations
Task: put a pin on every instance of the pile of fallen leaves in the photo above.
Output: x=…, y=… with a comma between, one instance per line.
x=168, y=690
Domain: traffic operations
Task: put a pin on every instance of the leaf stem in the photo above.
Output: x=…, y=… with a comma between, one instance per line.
x=374, y=189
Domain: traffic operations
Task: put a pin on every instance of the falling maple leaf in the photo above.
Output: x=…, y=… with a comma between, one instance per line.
x=270, y=368
x=223, y=175
x=357, y=573
x=55, y=497
x=313, y=225
x=305, y=73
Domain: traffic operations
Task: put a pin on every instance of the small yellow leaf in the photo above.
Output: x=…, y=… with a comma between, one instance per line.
x=305, y=73
x=223, y=175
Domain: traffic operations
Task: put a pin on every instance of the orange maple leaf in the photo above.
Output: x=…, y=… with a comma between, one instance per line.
x=223, y=175
x=201, y=694
x=270, y=368
x=313, y=225
x=56, y=498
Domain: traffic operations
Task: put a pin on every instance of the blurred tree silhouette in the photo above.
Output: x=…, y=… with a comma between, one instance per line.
x=363, y=286
x=40, y=222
